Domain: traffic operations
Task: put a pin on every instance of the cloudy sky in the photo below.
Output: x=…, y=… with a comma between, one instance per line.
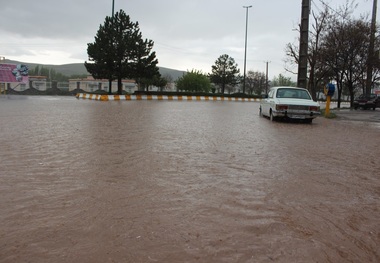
x=188, y=34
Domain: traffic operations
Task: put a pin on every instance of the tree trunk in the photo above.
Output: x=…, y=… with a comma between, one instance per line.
x=119, y=86
x=340, y=90
x=311, y=84
x=352, y=97
x=109, y=86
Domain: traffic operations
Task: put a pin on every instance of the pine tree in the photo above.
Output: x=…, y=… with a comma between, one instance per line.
x=101, y=53
x=225, y=72
x=119, y=52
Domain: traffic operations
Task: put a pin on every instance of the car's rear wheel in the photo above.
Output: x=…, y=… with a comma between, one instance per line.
x=271, y=117
x=310, y=120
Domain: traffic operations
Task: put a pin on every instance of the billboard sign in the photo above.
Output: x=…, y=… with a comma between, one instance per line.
x=10, y=73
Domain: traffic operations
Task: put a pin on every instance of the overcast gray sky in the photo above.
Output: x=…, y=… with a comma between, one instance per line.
x=188, y=34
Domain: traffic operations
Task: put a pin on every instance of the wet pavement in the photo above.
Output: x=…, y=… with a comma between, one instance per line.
x=358, y=115
x=172, y=181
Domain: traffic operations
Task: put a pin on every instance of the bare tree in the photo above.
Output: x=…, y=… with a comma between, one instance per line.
x=323, y=23
x=255, y=82
x=319, y=25
x=317, y=69
x=169, y=82
x=344, y=51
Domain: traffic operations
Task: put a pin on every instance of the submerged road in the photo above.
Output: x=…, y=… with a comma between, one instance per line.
x=183, y=181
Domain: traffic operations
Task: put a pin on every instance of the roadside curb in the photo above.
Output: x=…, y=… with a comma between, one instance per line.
x=159, y=97
x=171, y=97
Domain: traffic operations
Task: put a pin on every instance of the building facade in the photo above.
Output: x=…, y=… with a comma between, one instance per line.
x=90, y=84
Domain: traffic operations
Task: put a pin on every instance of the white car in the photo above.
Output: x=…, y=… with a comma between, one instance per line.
x=289, y=102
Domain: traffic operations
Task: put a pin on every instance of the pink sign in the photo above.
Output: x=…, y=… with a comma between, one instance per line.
x=14, y=73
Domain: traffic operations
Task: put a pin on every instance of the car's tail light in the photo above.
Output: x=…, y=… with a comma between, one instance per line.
x=282, y=107
x=314, y=108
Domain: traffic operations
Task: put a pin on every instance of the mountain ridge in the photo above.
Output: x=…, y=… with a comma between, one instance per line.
x=79, y=69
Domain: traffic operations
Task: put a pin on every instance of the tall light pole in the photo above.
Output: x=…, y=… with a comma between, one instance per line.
x=266, y=78
x=113, y=7
x=245, y=52
x=113, y=13
x=371, y=49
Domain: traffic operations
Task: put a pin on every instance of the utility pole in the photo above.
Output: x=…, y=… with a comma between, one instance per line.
x=371, y=49
x=304, y=45
x=245, y=52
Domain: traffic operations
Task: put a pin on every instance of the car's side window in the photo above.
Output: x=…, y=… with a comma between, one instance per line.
x=270, y=95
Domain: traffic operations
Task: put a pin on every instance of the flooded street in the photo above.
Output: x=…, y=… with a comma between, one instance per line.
x=183, y=181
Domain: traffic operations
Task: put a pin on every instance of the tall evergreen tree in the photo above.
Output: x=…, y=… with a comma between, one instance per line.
x=225, y=72
x=119, y=52
x=101, y=54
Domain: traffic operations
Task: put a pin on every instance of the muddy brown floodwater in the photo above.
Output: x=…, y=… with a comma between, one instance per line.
x=171, y=181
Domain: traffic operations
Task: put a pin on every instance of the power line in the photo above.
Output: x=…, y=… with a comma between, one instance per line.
x=334, y=11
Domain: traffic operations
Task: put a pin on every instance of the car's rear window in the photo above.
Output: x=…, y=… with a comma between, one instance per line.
x=293, y=93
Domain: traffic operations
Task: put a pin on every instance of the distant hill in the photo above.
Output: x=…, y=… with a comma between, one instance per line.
x=80, y=69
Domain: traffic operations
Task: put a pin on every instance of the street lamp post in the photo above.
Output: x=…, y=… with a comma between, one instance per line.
x=245, y=52
x=371, y=50
x=113, y=7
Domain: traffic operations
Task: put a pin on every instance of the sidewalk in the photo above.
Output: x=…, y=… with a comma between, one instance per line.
x=358, y=115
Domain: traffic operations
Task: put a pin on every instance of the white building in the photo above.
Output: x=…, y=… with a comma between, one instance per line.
x=90, y=84
x=38, y=82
